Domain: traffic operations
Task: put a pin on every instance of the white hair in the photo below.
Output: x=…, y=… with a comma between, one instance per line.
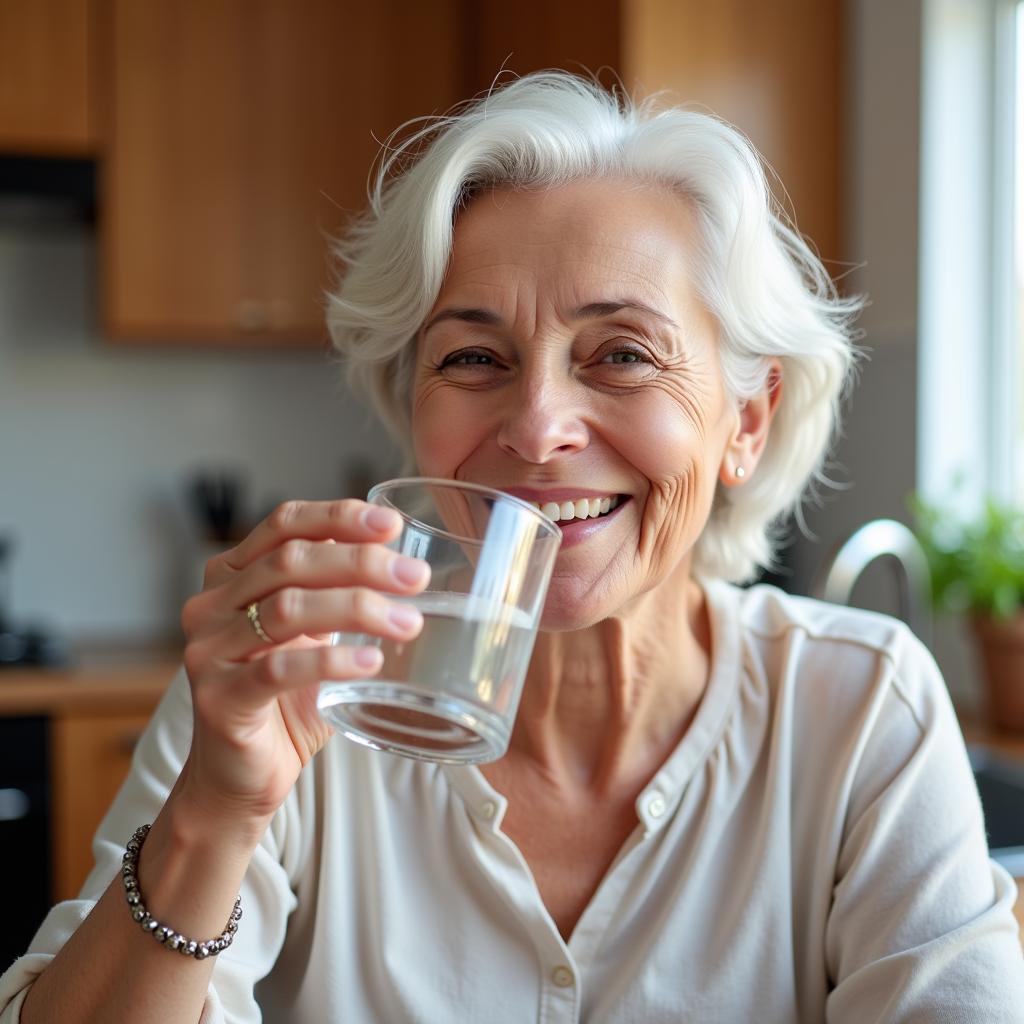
x=769, y=293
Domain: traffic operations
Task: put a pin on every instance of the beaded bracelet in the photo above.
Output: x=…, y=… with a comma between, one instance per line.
x=164, y=935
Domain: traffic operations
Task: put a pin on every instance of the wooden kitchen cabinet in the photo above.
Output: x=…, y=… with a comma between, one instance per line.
x=239, y=138
x=503, y=40
x=233, y=138
x=239, y=134
x=95, y=717
x=47, y=77
x=775, y=71
x=90, y=755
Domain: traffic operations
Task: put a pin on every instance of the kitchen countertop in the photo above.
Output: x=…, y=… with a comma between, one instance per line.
x=978, y=732
x=130, y=679
x=94, y=687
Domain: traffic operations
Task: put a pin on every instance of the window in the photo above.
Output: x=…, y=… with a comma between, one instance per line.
x=1017, y=175
x=971, y=314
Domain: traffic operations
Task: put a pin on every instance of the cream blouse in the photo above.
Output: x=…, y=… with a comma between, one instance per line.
x=812, y=851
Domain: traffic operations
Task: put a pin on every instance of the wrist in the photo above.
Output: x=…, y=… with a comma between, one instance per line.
x=190, y=871
x=175, y=941
x=198, y=820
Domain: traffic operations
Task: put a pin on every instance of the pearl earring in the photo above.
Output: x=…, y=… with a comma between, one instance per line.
x=740, y=472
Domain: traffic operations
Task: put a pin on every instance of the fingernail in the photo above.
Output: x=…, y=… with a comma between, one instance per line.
x=408, y=570
x=367, y=657
x=380, y=519
x=405, y=617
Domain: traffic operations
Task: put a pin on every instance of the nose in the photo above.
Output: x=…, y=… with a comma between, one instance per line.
x=541, y=422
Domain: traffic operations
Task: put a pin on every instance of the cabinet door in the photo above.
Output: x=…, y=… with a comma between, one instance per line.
x=242, y=133
x=506, y=39
x=774, y=70
x=46, y=68
x=90, y=756
x=331, y=80
x=175, y=209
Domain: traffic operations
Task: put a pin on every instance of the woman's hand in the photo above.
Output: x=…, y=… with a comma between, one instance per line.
x=313, y=568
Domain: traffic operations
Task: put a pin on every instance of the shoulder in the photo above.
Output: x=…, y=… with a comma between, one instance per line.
x=832, y=651
x=852, y=702
x=766, y=612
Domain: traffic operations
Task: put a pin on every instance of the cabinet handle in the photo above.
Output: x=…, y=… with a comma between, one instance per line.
x=14, y=804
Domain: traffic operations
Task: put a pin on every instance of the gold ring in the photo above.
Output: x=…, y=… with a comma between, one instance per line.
x=252, y=613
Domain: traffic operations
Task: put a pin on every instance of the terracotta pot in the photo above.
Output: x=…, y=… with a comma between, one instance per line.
x=1001, y=642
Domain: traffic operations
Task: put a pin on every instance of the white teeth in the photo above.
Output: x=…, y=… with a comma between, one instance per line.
x=584, y=508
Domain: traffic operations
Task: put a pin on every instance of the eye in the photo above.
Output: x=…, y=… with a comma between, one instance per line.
x=622, y=363
x=625, y=357
x=467, y=358
x=471, y=366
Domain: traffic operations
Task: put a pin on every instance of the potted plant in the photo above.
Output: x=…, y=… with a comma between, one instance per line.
x=977, y=568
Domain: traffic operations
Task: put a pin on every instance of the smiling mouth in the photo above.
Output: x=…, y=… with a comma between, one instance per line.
x=566, y=512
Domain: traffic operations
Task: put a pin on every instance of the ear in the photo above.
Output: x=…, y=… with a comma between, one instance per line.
x=750, y=433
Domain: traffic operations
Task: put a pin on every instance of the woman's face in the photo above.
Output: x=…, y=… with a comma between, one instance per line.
x=567, y=357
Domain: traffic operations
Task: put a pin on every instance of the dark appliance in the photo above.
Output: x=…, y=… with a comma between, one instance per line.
x=24, y=833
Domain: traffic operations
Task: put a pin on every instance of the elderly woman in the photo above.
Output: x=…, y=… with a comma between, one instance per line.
x=719, y=804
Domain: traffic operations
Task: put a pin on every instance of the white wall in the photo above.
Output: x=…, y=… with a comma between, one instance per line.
x=96, y=440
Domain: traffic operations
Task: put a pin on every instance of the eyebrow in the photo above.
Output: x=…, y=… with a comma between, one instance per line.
x=594, y=310
x=467, y=316
x=591, y=311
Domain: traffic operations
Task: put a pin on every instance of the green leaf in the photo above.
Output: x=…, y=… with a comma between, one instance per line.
x=976, y=565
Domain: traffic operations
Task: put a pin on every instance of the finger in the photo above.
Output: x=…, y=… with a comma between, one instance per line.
x=311, y=564
x=349, y=520
x=295, y=612
x=314, y=564
x=259, y=682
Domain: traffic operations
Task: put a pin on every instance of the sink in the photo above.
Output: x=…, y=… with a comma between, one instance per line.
x=1001, y=786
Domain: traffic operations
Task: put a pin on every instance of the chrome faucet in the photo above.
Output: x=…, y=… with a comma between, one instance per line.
x=881, y=538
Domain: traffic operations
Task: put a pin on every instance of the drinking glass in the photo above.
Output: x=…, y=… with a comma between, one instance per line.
x=451, y=694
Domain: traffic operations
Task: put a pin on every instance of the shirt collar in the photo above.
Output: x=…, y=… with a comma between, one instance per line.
x=660, y=797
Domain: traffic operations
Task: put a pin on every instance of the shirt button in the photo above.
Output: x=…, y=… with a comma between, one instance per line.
x=488, y=809
x=656, y=806
x=562, y=977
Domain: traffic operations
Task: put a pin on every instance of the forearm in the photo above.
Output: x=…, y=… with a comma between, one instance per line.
x=110, y=970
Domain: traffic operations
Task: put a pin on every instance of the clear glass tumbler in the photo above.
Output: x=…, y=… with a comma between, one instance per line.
x=451, y=694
